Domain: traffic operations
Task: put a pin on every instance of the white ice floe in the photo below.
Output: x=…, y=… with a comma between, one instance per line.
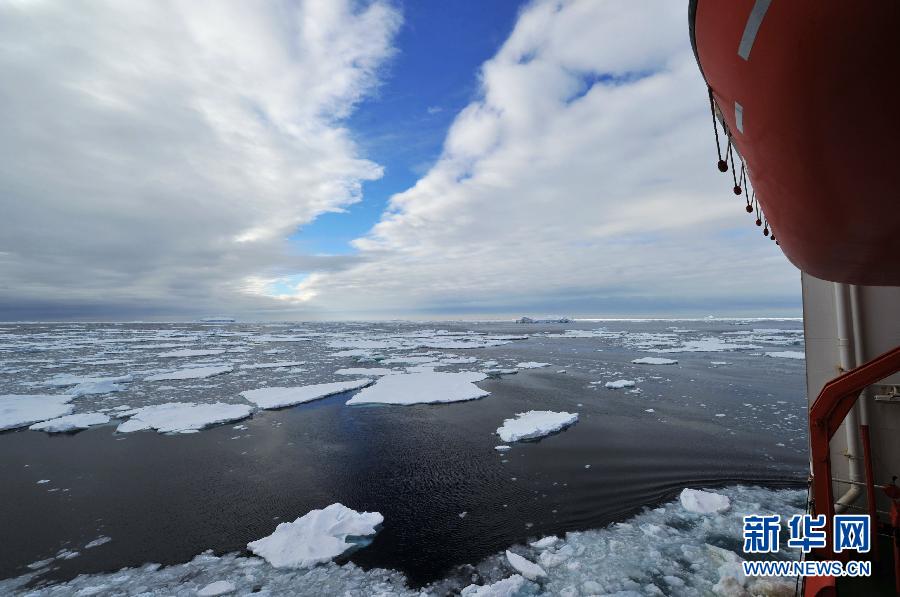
x=316, y=537
x=497, y=372
x=502, y=448
x=415, y=360
x=531, y=365
x=508, y=587
x=282, y=397
x=21, y=410
x=362, y=346
x=534, y=424
x=525, y=567
x=370, y=371
x=192, y=373
x=275, y=365
x=654, y=361
x=71, y=423
x=545, y=543
x=358, y=353
x=214, y=589
x=619, y=384
x=703, y=502
x=183, y=417
x=100, y=385
x=67, y=379
x=279, y=338
x=190, y=352
x=467, y=343
x=710, y=344
x=787, y=354
x=64, y=379
x=423, y=388
x=458, y=360
x=101, y=540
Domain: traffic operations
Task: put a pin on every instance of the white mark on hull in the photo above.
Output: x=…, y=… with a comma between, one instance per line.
x=752, y=27
x=739, y=116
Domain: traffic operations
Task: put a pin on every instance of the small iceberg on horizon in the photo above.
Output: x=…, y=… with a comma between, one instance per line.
x=545, y=319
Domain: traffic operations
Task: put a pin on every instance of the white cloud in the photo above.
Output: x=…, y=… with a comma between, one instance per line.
x=155, y=155
x=584, y=177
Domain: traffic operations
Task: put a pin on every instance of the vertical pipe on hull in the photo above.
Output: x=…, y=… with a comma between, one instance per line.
x=851, y=423
x=860, y=354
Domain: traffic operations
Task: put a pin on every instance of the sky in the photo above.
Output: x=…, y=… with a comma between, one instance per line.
x=383, y=159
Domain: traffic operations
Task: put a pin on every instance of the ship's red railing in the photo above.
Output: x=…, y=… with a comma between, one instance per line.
x=825, y=417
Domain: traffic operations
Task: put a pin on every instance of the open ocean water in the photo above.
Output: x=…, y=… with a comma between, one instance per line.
x=730, y=414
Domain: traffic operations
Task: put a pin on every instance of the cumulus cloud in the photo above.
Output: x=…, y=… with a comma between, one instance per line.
x=155, y=155
x=583, y=177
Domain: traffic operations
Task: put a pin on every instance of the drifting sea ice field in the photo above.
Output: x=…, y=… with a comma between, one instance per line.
x=186, y=378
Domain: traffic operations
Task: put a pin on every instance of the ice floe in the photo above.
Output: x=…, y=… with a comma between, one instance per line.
x=534, y=424
x=654, y=361
x=370, y=371
x=316, y=537
x=21, y=410
x=703, y=502
x=274, y=365
x=190, y=352
x=497, y=372
x=358, y=353
x=101, y=540
x=422, y=388
x=619, y=384
x=280, y=338
x=545, y=543
x=182, y=417
x=525, y=567
x=531, y=365
x=710, y=344
x=214, y=589
x=192, y=373
x=507, y=587
x=458, y=360
x=100, y=385
x=67, y=379
x=787, y=354
x=282, y=397
x=70, y=423
x=412, y=359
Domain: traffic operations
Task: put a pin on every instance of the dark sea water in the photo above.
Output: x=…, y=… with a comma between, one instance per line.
x=166, y=498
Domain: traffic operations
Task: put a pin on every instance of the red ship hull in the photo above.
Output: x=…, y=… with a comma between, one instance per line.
x=809, y=91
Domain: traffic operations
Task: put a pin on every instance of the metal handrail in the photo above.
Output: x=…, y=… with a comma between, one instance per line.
x=825, y=417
